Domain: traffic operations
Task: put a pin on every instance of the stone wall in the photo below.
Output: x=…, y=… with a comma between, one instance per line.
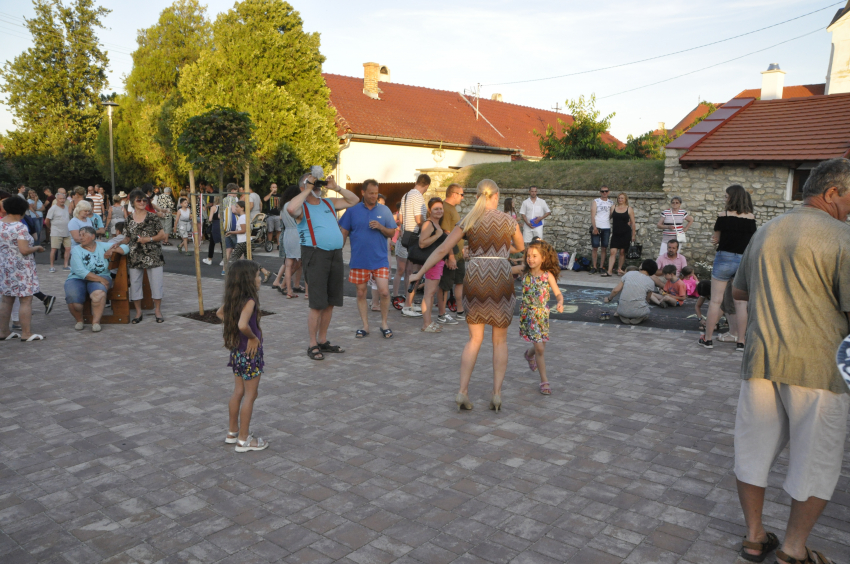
x=702, y=189
x=568, y=228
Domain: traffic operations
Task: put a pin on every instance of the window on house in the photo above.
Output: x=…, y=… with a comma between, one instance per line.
x=800, y=177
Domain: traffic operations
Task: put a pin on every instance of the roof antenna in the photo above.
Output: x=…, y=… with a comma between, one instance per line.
x=557, y=108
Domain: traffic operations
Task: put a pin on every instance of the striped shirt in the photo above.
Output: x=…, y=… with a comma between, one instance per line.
x=413, y=204
x=97, y=203
x=673, y=222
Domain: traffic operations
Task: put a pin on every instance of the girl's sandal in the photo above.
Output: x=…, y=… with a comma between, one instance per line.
x=764, y=548
x=812, y=557
x=545, y=389
x=245, y=446
x=532, y=362
x=231, y=437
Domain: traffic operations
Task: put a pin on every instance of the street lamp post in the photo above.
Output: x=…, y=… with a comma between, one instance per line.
x=109, y=105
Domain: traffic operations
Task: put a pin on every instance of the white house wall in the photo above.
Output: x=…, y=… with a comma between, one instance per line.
x=398, y=163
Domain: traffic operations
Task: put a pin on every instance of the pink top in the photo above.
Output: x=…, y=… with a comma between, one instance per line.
x=679, y=262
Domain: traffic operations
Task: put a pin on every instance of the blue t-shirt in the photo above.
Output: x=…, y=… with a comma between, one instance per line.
x=83, y=262
x=325, y=227
x=75, y=224
x=368, y=246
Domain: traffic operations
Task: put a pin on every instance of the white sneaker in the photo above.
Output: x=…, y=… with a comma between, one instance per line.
x=410, y=312
x=79, y=326
x=446, y=319
x=221, y=263
x=207, y=261
x=417, y=308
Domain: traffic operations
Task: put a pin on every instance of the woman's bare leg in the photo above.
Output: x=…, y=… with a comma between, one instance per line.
x=622, y=260
x=428, y=301
x=500, y=357
x=5, y=315
x=470, y=355
x=740, y=319
x=717, y=289
x=25, y=315
x=98, y=300
x=612, y=256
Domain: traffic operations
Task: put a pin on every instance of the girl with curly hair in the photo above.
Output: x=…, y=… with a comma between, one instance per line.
x=540, y=270
x=240, y=315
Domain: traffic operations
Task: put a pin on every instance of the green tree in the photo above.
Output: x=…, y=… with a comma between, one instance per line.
x=53, y=91
x=262, y=62
x=646, y=146
x=582, y=139
x=219, y=139
x=144, y=143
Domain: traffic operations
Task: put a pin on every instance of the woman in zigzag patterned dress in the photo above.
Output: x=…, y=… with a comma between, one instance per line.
x=488, y=287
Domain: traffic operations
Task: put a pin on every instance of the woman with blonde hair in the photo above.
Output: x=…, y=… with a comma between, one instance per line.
x=488, y=294
x=622, y=232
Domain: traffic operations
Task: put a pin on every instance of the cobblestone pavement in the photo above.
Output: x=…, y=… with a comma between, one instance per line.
x=111, y=448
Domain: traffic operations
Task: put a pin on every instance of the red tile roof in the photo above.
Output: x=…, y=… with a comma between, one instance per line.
x=418, y=113
x=698, y=112
x=798, y=129
x=801, y=91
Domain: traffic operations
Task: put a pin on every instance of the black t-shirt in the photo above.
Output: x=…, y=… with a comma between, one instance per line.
x=735, y=233
x=274, y=204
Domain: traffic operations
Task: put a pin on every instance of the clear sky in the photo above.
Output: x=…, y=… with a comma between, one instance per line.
x=453, y=45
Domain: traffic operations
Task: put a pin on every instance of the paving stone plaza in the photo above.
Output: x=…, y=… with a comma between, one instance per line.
x=112, y=447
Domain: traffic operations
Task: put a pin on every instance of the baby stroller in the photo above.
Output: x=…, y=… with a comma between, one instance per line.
x=259, y=233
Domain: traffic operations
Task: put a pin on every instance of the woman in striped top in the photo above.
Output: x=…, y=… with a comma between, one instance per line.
x=673, y=221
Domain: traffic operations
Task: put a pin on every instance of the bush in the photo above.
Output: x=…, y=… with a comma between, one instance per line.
x=625, y=175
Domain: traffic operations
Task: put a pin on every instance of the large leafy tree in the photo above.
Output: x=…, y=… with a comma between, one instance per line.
x=263, y=62
x=144, y=141
x=582, y=139
x=53, y=91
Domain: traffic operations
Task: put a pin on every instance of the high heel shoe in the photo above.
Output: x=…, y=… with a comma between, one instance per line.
x=462, y=402
x=496, y=402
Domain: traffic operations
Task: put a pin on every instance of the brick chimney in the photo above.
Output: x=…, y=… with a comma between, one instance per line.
x=370, y=79
x=497, y=97
x=772, y=83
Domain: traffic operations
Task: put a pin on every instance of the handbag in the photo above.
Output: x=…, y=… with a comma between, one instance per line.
x=407, y=237
x=418, y=255
x=635, y=251
x=680, y=237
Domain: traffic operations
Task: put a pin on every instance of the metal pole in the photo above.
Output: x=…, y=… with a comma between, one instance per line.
x=111, y=154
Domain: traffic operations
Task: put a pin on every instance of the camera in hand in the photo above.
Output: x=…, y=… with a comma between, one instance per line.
x=319, y=183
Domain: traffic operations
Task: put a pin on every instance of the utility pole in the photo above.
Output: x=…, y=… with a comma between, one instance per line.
x=477, y=97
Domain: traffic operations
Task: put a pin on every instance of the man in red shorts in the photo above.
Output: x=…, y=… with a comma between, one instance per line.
x=369, y=225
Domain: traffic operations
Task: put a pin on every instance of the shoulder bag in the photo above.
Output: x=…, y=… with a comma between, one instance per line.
x=409, y=239
x=418, y=255
x=680, y=237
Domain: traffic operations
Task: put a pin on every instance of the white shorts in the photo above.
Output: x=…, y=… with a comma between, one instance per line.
x=529, y=233
x=814, y=421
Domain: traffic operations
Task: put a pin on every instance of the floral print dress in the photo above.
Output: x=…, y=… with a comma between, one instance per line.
x=17, y=272
x=533, y=310
x=143, y=255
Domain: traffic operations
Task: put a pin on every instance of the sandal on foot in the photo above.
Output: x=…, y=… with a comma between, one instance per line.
x=360, y=333
x=432, y=328
x=245, y=446
x=545, y=389
x=11, y=336
x=267, y=276
x=328, y=347
x=290, y=296
x=532, y=361
x=34, y=337
x=387, y=333
x=315, y=353
x=137, y=320
x=160, y=319
x=764, y=548
x=812, y=557
x=605, y=274
x=232, y=437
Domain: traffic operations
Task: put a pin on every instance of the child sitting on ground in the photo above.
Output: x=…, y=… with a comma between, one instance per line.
x=727, y=306
x=674, y=291
x=691, y=281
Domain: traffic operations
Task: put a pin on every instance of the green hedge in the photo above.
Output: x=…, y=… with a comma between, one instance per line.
x=627, y=175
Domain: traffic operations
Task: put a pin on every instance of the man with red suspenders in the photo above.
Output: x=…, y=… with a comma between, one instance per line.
x=321, y=255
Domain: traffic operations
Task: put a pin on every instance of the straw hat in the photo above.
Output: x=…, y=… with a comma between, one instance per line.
x=121, y=195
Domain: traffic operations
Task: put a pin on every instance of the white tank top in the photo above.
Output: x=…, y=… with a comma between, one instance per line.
x=603, y=213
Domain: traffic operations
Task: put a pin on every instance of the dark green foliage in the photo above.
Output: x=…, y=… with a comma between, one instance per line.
x=582, y=139
x=221, y=138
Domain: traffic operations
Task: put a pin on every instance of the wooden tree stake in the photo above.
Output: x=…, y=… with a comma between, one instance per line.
x=248, y=210
x=197, y=235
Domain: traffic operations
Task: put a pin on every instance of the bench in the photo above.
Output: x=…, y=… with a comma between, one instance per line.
x=119, y=295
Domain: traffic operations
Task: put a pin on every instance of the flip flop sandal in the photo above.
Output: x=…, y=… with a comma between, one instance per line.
x=289, y=296
x=33, y=337
x=360, y=333
x=764, y=548
x=605, y=275
x=11, y=336
x=819, y=558
x=532, y=362
x=315, y=353
x=388, y=333
x=545, y=389
x=328, y=347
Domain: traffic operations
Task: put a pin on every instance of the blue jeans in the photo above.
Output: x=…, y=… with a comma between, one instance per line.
x=77, y=290
x=725, y=266
x=595, y=240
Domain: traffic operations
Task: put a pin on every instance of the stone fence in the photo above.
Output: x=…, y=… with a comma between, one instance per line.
x=568, y=228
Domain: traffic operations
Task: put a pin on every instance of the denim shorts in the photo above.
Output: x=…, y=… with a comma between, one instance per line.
x=595, y=240
x=725, y=266
x=76, y=290
x=230, y=242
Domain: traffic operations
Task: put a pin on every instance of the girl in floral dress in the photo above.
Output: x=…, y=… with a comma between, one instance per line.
x=540, y=271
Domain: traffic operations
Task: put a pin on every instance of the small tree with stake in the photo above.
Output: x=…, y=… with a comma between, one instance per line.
x=219, y=139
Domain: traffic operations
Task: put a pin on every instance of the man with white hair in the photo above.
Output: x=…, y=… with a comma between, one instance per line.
x=321, y=255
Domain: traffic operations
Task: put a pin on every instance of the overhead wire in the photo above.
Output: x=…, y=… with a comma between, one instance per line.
x=712, y=66
x=113, y=48
x=667, y=54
